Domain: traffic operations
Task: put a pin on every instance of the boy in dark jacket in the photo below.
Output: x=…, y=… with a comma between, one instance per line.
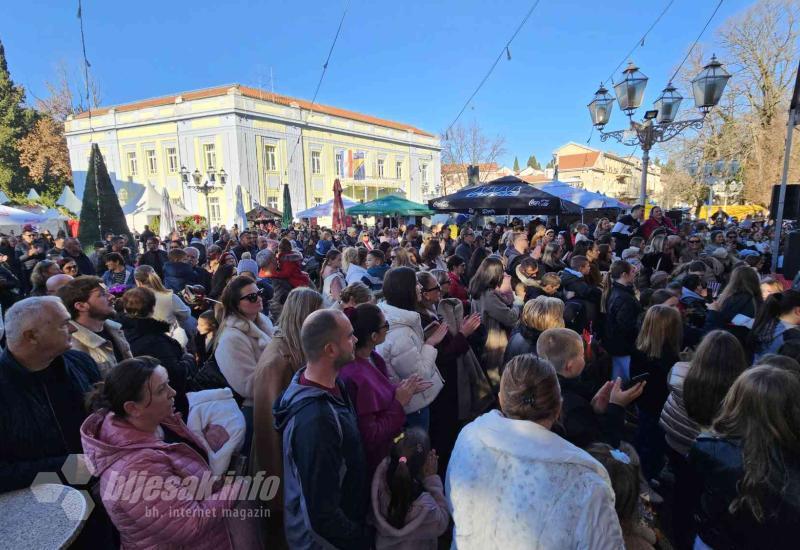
x=178, y=271
x=325, y=472
x=585, y=418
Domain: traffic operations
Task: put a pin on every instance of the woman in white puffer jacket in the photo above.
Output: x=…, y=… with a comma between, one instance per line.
x=406, y=350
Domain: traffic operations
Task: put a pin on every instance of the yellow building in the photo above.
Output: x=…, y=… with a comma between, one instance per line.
x=605, y=172
x=262, y=140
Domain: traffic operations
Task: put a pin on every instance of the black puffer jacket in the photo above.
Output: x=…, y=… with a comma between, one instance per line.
x=148, y=337
x=622, y=313
x=716, y=469
x=523, y=340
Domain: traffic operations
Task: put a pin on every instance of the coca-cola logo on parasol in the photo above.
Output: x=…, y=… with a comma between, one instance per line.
x=441, y=204
x=496, y=191
x=543, y=203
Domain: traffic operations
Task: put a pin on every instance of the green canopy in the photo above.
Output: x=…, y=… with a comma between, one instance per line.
x=287, y=207
x=391, y=205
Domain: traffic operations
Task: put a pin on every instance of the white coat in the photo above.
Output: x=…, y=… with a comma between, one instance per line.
x=515, y=484
x=406, y=353
x=239, y=345
x=215, y=418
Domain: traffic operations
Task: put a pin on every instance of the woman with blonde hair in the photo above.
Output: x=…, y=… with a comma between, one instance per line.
x=169, y=307
x=657, y=350
x=498, y=315
x=401, y=257
x=280, y=360
x=560, y=496
x=538, y=315
x=746, y=471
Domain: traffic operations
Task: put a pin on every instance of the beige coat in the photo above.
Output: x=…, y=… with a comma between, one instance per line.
x=97, y=347
x=273, y=374
x=239, y=345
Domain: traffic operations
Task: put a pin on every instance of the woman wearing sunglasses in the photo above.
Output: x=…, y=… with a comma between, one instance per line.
x=244, y=333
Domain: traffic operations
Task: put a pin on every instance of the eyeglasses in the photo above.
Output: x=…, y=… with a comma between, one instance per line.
x=694, y=242
x=432, y=289
x=70, y=268
x=252, y=297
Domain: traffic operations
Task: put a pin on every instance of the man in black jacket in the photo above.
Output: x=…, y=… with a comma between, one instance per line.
x=626, y=227
x=43, y=385
x=325, y=475
x=155, y=257
x=586, y=418
x=580, y=293
x=73, y=251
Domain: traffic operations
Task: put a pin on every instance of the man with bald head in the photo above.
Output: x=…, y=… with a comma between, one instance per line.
x=320, y=438
x=55, y=282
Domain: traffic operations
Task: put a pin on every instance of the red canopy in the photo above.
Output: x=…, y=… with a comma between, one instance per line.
x=338, y=223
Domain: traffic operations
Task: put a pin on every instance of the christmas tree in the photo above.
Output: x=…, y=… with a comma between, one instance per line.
x=101, y=212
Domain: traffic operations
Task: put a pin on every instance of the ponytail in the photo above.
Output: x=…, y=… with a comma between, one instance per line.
x=617, y=270
x=126, y=381
x=403, y=476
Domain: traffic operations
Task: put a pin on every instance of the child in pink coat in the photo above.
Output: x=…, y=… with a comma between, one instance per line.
x=408, y=503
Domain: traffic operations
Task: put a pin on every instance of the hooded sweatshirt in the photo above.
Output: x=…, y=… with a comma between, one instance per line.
x=427, y=517
x=115, y=451
x=325, y=472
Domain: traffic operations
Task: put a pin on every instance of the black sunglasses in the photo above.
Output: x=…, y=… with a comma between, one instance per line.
x=253, y=296
x=431, y=289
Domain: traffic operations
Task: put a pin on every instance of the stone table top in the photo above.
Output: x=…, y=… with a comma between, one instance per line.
x=46, y=516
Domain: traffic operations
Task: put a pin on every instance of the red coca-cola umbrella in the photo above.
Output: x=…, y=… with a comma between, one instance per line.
x=338, y=223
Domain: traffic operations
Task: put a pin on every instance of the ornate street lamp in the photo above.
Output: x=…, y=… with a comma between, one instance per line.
x=215, y=179
x=660, y=124
x=600, y=107
x=630, y=90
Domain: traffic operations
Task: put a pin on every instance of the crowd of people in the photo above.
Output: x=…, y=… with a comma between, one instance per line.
x=622, y=384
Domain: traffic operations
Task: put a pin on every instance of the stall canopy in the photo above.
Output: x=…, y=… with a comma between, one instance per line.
x=15, y=216
x=391, y=205
x=263, y=213
x=69, y=201
x=4, y=198
x=506, y=195
x=325, y=209
x=589, y=200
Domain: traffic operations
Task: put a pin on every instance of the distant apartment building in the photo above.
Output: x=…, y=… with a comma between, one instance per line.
x=262, y=140
x=605, y=172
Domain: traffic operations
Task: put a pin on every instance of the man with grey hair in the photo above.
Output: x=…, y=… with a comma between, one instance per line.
x=201, y=275
x=42, y=387
x=320, y=434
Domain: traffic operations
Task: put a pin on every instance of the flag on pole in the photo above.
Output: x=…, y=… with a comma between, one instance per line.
x=359, y=166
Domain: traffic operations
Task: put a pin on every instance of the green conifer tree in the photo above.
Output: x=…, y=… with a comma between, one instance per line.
x=101, y=212
x=516, y=164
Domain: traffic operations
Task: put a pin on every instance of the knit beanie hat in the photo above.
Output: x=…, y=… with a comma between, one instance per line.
x=247, y=265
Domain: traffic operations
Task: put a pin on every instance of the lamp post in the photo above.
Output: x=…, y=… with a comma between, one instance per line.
x=215, y=179
x=659, y=125
x=718, y=175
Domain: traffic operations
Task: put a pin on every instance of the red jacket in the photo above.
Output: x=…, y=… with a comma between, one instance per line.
x=652, y=224
x=457, y=289
x=289, y=268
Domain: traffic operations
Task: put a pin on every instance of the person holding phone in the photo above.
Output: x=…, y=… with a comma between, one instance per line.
x=657, y=349
x=586, y=418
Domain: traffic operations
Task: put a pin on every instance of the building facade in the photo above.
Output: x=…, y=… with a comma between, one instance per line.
x=262, y=140
x=605, y=172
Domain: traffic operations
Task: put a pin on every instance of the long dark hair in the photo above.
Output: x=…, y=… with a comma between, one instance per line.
x=475, y=261
x=404, y=474
x=488, y=276
x=400, y=288
x=761, y=410
x=126, y=381
x=719, y=359
x=744, y=279
x=230, y=296
x=617, y=270
x=766, y=319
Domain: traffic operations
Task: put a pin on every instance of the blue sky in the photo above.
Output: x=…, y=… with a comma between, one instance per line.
x=415, y=61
